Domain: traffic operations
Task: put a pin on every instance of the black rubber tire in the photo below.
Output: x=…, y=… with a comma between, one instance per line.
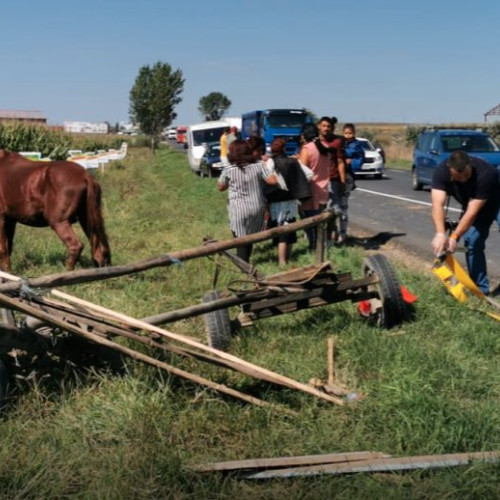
x=393, y=309
x=217, y=324
x=415, y=183
x=377, y=176
x=4, y=381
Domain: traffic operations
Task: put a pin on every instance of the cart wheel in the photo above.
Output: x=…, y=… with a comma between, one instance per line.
x=217, y=324
x=389, y=309
x=4, y=380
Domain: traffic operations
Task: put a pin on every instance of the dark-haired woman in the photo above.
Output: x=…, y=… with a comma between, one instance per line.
x=283, y=200
x=245, y=179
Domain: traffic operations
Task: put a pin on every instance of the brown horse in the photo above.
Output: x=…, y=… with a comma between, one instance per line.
x=55, y=194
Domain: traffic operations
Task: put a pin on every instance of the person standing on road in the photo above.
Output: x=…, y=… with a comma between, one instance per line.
x=283, y=198
x=223, y=147
x=231, y=136
x=354, y=154
x=245, y=178
x=474, y=183
x=316, y=155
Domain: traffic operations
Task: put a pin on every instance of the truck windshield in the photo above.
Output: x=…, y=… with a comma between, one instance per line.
x=286, y=120
x=207, y=136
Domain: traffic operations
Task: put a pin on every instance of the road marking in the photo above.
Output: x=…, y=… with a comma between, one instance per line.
x=402, y=198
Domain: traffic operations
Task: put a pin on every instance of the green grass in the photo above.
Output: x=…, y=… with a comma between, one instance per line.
x=401, y=164
x=432, y=386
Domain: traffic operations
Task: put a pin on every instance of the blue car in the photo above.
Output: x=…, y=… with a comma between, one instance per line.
x=210, y=164
x=436, y=145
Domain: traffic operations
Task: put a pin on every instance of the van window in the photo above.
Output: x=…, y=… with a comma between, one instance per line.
x=207, y=136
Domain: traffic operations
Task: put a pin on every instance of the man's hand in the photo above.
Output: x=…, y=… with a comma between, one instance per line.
x=440, y=244
x=452, y=243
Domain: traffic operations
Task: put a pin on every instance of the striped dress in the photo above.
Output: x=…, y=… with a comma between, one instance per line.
x=246, y=202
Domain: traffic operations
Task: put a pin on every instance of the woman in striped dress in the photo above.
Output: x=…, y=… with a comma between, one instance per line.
x=245, y=178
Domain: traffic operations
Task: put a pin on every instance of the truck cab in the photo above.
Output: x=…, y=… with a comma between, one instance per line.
x=273, y=123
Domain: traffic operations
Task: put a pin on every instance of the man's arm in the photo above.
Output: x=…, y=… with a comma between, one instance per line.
x=468, y=218
x=304, y=157
x=440, y=240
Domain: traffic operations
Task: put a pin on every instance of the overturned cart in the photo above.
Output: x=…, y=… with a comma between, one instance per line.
x=378, y=289
x=259, y=298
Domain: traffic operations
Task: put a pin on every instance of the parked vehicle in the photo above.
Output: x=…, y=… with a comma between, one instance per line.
x=374, y=161
x=172, y=134
x=200, y=138
x=181, y=134
x=210, y=164
x=435, y=145
x=273, y=123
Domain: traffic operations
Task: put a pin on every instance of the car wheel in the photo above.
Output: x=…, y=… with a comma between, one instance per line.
x=217, y=324
x=210, y=172
x=389, y=309
x=377, y=176
x=201, y=173
x=415, y=182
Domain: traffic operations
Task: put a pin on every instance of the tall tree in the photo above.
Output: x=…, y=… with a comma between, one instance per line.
x=213, y=106
x=153, y=98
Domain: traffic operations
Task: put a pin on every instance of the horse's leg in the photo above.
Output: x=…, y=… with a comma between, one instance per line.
x=6, y=234
x=73, y=245
x=10, y=230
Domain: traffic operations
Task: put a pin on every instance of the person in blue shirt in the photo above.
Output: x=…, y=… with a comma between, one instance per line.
x=354, y=156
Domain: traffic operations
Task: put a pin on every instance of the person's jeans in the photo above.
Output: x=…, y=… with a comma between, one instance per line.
x=339, y=200
x=310, y=231
x=475, y=242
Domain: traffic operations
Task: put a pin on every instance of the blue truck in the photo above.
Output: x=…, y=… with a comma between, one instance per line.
x=273, y=123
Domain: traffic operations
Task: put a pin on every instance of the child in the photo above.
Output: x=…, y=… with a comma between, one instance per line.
x=354, y=157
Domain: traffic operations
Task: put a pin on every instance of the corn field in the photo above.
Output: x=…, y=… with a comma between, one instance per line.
x=19, y=136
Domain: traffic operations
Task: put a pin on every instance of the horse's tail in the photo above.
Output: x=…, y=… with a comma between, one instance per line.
x=94, y=227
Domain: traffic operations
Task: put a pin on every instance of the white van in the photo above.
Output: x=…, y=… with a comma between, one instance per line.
x=199, y=137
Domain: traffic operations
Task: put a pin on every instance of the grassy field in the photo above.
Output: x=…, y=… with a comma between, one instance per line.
x=81, y=430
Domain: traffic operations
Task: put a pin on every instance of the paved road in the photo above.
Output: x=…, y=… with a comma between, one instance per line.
x=390, y=206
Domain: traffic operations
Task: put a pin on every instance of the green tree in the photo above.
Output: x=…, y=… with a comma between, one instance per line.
x=153, y=98
x=213, y=106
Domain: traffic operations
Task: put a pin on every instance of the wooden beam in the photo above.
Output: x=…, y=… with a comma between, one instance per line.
x=88, y=275
x=383, y=465
x=271, y=463
x=51, y=319
x=249, y=368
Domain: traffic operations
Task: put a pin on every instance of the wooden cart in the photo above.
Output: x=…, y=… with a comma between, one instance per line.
x=303, y=288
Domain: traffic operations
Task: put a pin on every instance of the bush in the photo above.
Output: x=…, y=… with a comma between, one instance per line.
x=411, y=134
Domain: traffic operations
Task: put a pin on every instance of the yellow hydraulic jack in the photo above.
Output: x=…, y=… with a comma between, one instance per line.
x=458, y=282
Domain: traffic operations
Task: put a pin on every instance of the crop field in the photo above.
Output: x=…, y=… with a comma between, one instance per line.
x=84, y=426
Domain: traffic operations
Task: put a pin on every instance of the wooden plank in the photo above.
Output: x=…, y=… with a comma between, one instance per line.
x=88, y=275
x=270, y=463
x=383, y=465
x=51, y=319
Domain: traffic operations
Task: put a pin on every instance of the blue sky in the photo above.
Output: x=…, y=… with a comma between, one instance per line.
x=369, y=60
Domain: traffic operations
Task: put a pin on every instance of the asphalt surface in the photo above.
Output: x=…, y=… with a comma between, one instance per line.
x=389, y=208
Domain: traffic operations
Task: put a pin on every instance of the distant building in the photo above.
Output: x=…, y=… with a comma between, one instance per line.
x=86, y=127
x=16, y=115
x=492, y=111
